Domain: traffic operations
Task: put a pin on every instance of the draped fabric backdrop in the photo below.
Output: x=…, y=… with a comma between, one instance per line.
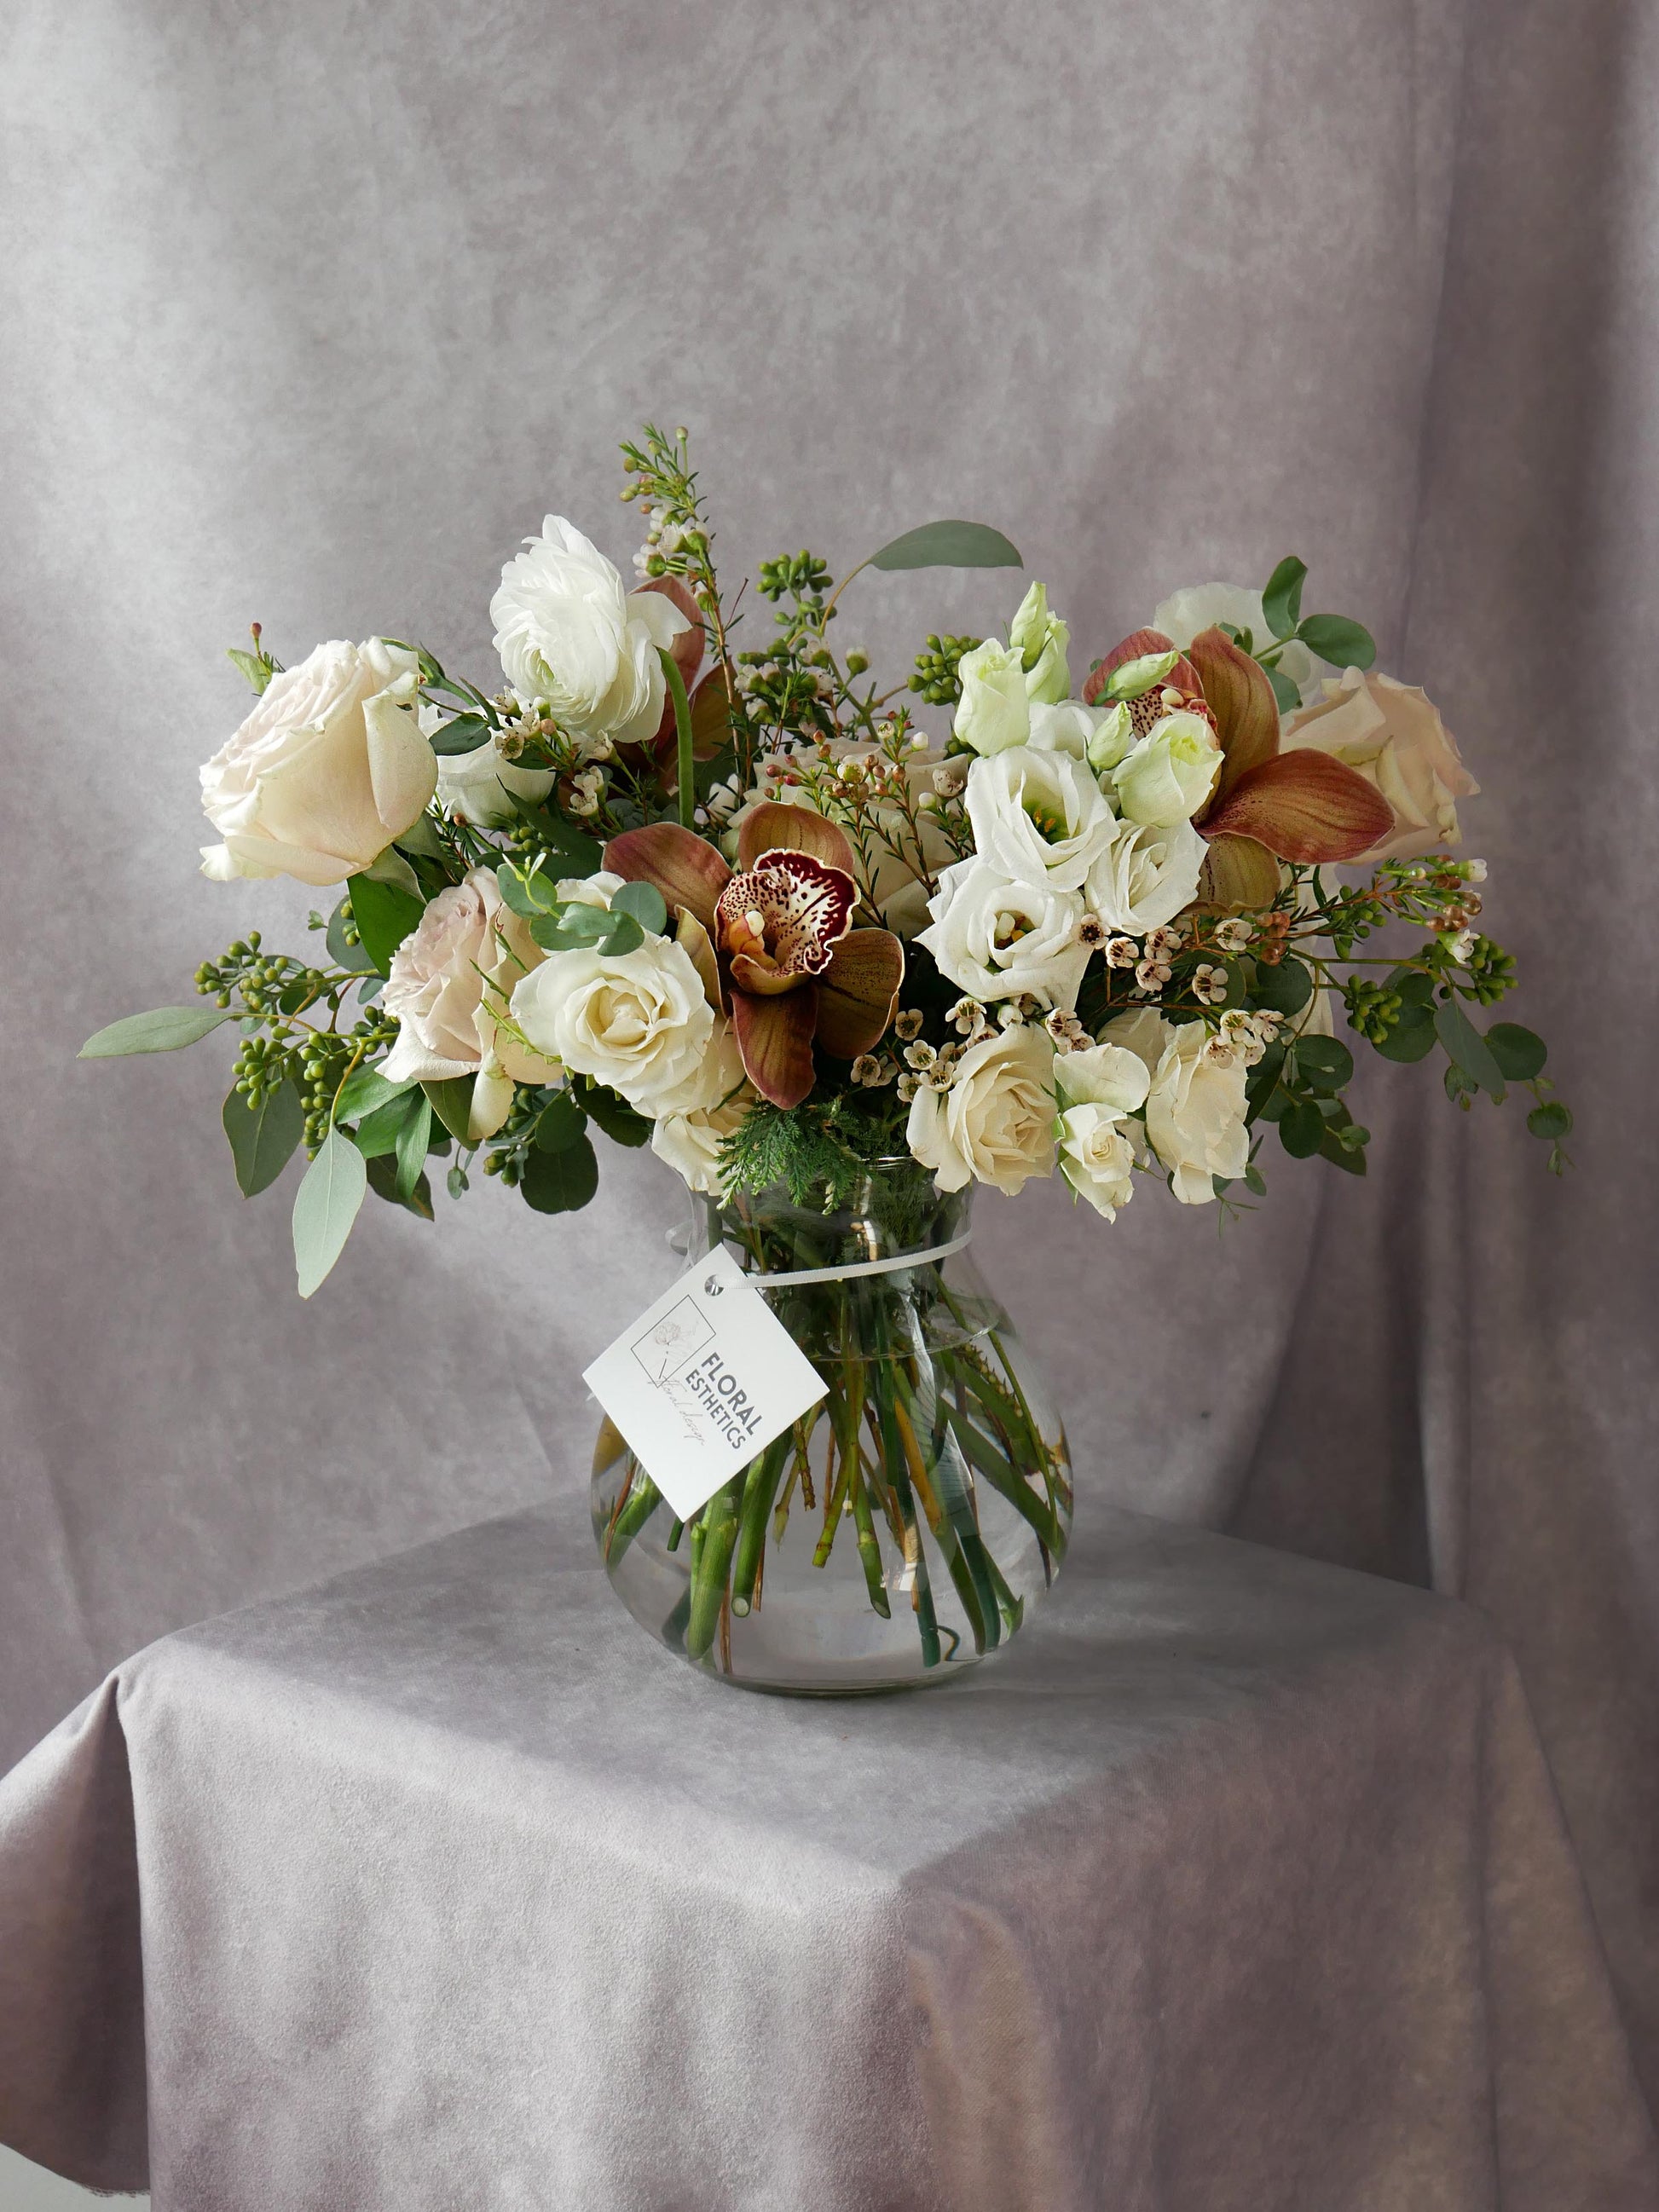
x=313, y=312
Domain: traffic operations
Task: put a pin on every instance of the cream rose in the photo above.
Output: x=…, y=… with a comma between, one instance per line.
x=1169, y=774
x=702, y=1113
x=1392, y=735
x=480, y=786
x=996, y=939
x=1184, y=614
x=638, y=1021
x=569, y=637
x=1194, y=1105
x=1097, y=1087
x=450, y=979
x=329, y=768
x=1039, y=816
x=996, y=1122
x=1146, y=876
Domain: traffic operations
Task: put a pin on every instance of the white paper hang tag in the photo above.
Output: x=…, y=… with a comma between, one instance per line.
x=703, y=1380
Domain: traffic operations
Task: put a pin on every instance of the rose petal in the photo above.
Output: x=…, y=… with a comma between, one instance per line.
x=774, y=1037
x=688, y=872
x=1242, y=700
x=858, y=991
x=1139, y=643
x=1239, y=872
x=1304, y=806
x=775, y=829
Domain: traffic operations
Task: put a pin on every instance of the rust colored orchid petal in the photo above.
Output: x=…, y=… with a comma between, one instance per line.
x=1304, y=806
x=783, y=916
x=1139, y=643
x=774, y=1040
x=1237, y=874
x=858, y=991
x=1242, y=700
x=760, y=978
x=776, y=829
x=688, y=872
x=700, y=946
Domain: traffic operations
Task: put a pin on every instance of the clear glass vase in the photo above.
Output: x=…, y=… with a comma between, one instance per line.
x=905, y=1527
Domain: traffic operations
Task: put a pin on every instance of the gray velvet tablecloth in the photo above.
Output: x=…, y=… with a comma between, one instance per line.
x=1238, y=1885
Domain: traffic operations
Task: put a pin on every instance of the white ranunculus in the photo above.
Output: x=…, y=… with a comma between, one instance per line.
x=996, y=1122
x=1040, y=639
x=638, y=1021
x=450, y=978
x=480, y=786
x=1169, y=774
x=996, y=937
x=329, y=768
x=1194, y=1107
x=1039, y=816
x=1145, y=877
x=1064, y=727
x=571, y=638
x=994, y=710
x=707, y=1108
x=1392, y=734
x=1201, y=606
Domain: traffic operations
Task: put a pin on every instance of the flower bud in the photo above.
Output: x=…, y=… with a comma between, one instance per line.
x=1168, y=776
x=1132, y=679
x=1111, y=739
x=1040, y=639
x=994, y=711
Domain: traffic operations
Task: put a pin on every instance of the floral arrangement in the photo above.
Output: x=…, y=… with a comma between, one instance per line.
x=743, y=905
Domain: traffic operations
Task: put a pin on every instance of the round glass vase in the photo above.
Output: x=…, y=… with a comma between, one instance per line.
x=904, y=1527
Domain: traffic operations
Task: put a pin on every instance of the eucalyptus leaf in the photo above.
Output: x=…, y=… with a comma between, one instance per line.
x=1553, y=1120
x=258, y=672
x=1345, y=644
x=382, y=1131
x=385, y=914
x=364, y=1090
x=1302, y=1129
x=949, y=545
x=1413, y=1036
x=451, y=1101
x=1324, y=1062
x=561, y=1182
x=1466, y=1047
x=1281, y=601
x=1284, y=987
x=1518, y=1051
x=527, y=891
x=1352, y=1160
x=464, y=735
x=164, y=1028
x=562, y=1124
x=619, y=1120
x=576, y=852
x=411, y=1145
x=262, y=1138
x=576, y=927
x=1284, y=691
x=1414, y=985
x=645, y=902
x=383, y=1182
x=325, y=1208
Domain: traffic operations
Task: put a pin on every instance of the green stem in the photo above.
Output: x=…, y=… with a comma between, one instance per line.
x=643, y=1499
x=710, y=1560
x=688, y=789
x=760, y=1488
x=869, y=1549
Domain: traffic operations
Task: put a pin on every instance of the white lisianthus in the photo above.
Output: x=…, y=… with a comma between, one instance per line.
x=1392, y=734
x=1039, y=816
x=1195, y=1105
x=1169, y=774
x=480, y=786
x=1040, y=639
x=708, y=1108
x=450, y=978
x=1201, y=606
x=329, y=768
x=1067, y=726
x=995, y=1123
x=996, y=937
x=570, y=637
x=1097, y=1087
x=638, y=1021
x=1146, y=876
x=994, y=710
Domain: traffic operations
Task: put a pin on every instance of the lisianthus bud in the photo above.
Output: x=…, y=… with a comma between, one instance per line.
x=1168, y=776
x=1132, y=678
x=994, y=711
x=1040, y=639
x=1111, y=739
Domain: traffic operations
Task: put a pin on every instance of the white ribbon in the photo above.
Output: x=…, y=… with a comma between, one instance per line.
x=922, y=1259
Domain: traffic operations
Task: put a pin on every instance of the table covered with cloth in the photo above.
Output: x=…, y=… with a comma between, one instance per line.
x=1238, y=1884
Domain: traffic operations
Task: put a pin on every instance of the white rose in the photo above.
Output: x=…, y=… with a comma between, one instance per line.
x=1098, y=1087
x=994, y=710
x=1194, y=1107
x=1169, y=774
x=569, y=634
x=329, y=768
x=638, y=1021
x=480, y=786
x=996, y=1122
x=1146, y=876
x=709, y=1108
x=1184, y=614
x=450, y=978
x=996, y=939
x=1039, y=816
x=589, y=890
x=1391, y=734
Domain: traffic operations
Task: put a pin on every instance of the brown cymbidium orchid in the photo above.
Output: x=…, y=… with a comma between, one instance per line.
x=1268, y=806
x=774, y=941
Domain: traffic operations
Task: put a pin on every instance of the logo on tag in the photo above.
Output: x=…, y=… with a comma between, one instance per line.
x=703, y=1380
